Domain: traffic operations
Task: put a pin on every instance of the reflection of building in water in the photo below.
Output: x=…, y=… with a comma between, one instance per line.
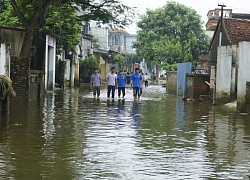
x=49, y=116
x=226, y=145
x=180, y=113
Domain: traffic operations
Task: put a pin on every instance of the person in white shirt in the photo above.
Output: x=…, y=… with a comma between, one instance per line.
x=111, y=82
x=146, y=79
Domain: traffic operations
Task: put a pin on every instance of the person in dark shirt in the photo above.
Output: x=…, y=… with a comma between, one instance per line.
x=128, y=78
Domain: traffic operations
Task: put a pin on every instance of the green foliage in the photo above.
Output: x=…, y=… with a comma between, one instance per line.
x=61, y=17
x=171, y=34
x=120, y=59
x=7, y=16
x=132, y=58
x=86, y=68
x=63, y=20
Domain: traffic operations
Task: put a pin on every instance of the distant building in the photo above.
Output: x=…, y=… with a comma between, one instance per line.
x=130, y=39
x=214, y=16
x=117, y=40
x=100, y=33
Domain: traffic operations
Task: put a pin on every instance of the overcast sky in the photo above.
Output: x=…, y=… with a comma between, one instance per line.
x=201, y=6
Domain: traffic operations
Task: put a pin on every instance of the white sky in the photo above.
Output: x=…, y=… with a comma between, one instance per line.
x=201, y=6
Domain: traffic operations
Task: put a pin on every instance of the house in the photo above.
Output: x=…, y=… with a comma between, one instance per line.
x=129, y=41
x=224, y=60
x=117, y=40
x=105, y=57
x=84, y=50
x=30, y=76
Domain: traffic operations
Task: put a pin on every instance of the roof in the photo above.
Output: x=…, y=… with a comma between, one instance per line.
x=23, y=30
x=237, y=29
x=241, y=15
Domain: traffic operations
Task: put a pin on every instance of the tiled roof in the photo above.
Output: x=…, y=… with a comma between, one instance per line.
x=238, y=30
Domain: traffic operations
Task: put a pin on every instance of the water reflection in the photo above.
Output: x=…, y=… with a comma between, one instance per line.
x=72, y=136
x=136, y=114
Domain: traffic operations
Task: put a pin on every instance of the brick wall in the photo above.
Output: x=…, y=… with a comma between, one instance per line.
x=28, y=85
x=19, y=74
x=198, y=86
x=171, y=83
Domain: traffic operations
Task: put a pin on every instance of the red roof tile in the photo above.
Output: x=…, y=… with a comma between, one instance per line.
x=238, y=29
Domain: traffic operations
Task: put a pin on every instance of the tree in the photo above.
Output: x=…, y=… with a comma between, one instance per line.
x=171, y=34
x=33, y=14
x=132, y=58
x=120, y=59
x=86, y=68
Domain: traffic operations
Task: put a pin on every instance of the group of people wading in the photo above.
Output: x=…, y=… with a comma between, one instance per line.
x=119, y=81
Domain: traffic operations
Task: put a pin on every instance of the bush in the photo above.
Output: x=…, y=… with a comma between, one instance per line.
x=86, y=68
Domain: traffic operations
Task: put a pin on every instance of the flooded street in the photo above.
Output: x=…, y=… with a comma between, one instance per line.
x=70, y=135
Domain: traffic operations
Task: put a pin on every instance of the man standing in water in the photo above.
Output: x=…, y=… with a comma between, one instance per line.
x=111, y=82
x=122, y=80
x=136, y=82
x=96, y=83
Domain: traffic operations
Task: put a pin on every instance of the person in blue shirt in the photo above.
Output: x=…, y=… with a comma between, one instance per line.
x=122, y=80
x=136, y=82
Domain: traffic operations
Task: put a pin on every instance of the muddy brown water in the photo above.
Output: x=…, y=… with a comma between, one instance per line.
x=70, y=135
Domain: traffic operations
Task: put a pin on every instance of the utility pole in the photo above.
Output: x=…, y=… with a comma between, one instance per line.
x=220, y=44
x=221, y=19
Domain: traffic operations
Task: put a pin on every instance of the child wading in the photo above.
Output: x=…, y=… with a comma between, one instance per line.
x=136, y=82
x=96, y=83
x=122, y=80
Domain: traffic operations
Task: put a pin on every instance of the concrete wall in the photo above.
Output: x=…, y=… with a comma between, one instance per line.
x=223, y=75
x=182, y=70
x=14, y=37
x=4, y=59
x=243, y=75
x=234, y=73
x=171, y=83
x=102, y=34
x=190, y=85
x=36, y=85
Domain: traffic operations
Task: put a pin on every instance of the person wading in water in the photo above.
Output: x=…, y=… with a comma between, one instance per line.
x=111, y=82
x=96, y=83
x=136, y=83
x=121, y=79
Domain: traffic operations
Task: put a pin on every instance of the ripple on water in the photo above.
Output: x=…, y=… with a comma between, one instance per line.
x=76, y=137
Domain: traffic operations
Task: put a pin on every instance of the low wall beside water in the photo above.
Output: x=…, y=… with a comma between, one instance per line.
x=28, y=84
x=171, y=83
x=36, y=86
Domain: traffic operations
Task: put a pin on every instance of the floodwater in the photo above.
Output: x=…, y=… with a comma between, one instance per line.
x=69, y=135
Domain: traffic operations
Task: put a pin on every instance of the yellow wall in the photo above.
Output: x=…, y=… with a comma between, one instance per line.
x=105, y=67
